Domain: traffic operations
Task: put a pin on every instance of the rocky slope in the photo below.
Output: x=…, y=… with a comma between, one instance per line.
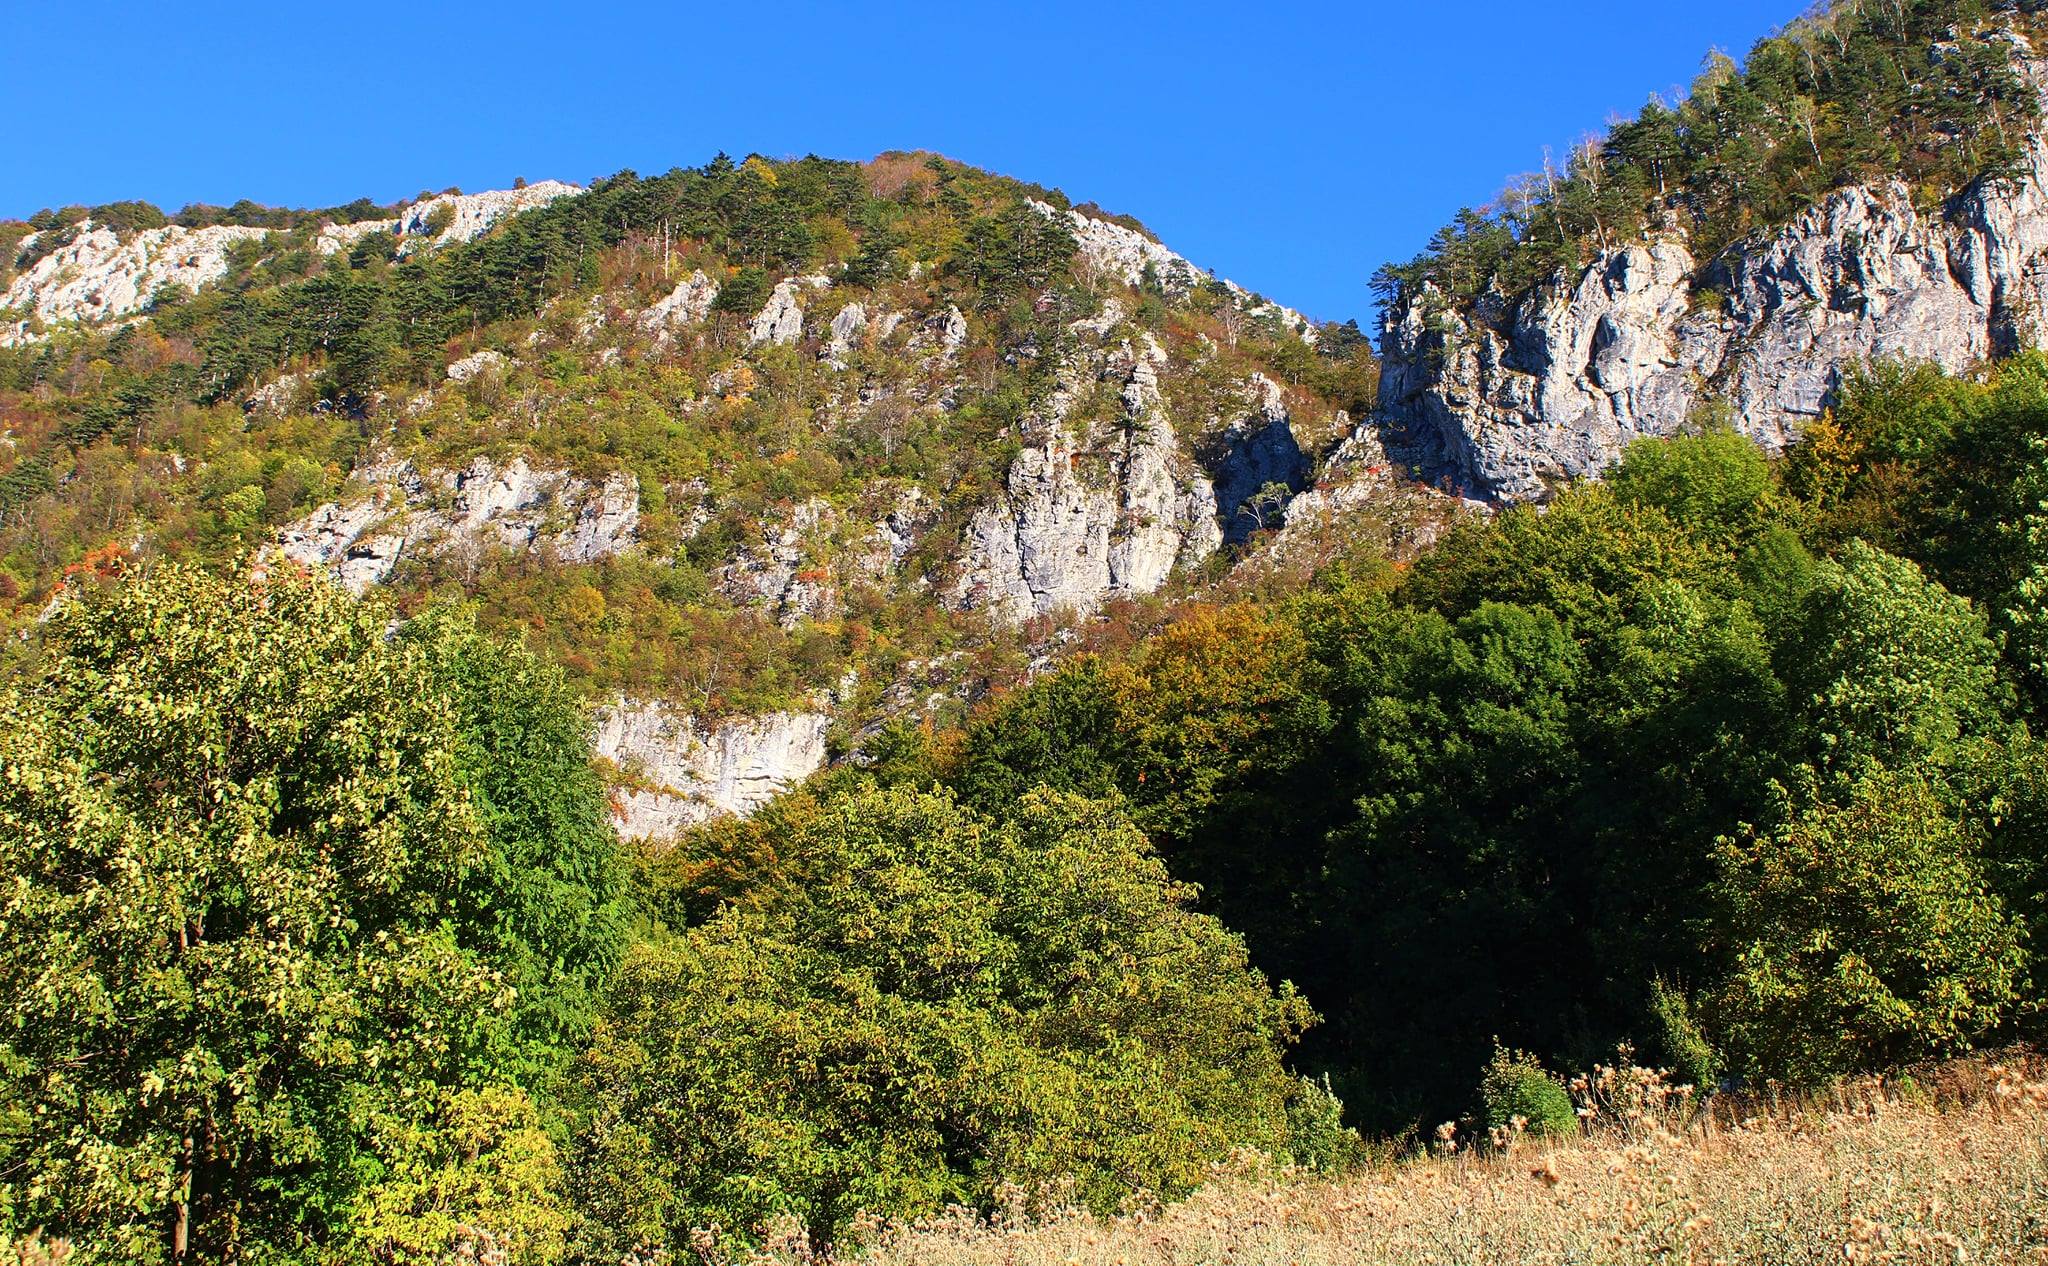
x=99, y=275
x=887, y=484
x=677, y=773
x=403, y=512
x=1511, y=398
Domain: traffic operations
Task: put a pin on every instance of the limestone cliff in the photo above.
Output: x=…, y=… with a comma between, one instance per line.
x=95, y=274
x=403, y=511
x=677, y=772
x=1510, y=397
x=1092, y=509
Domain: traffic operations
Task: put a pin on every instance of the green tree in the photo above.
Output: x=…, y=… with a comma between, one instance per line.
x=1887, y=666
x=235, y=832
x=546, y=900
x=1717, y=484
x=929, y=1004
x=1861, y=934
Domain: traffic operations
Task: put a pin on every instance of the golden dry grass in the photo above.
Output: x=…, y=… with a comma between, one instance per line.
x=1951, y=1169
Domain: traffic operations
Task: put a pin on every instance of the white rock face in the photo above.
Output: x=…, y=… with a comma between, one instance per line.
x=798, y=568
x=693, y=774
x=476, y=364
x=483, y=506
x=782, y=572
x=336, y=238
x=847, y=328
x=1125, y=254
x=781, y=319
x=97, y=276
x=898, y=532
x=354, y=541
x=953, y=330
x=1086, y=518
x=688, y=304
x=472, y=213
x=1506, y=402
x=278, y=397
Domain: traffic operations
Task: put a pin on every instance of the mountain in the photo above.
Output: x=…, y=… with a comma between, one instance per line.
x=1214, y=739
x=758, y=450
x=1510, y=370
x=768, y=454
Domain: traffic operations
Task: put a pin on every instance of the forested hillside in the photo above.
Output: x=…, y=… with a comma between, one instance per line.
x=811, y=442
x=761, y=704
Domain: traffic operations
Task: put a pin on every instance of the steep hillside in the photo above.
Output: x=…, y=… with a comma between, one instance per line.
x=1869, y=184
x=758, y=451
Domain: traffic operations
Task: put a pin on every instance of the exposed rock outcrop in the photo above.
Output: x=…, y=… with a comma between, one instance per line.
x=1507, y=400
x=785, y=572
x=808, y=553
x=477, y=364
x=96, y=276
x=1093, y=511
x=781, y=319
x=1125, y=254
x=847, y=328
x=279, y=396
x=681, y=773
x=1262, y=465
x=485, y=505
x=688, y=304
x=336, y=238
x=463, y=217
x=99, y=275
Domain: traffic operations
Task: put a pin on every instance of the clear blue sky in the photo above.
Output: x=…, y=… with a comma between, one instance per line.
x=1292, y=147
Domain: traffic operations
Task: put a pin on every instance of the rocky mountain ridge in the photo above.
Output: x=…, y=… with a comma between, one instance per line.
x=97, y=274
x=1515, y=396
x=869, y=490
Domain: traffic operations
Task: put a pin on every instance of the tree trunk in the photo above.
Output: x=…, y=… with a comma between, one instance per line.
x=181, y=1226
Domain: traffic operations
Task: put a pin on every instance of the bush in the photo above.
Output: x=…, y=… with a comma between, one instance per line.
x=1515, y=1086
x=1681, y=1041
x=1865, y=933
x=1317, y=1137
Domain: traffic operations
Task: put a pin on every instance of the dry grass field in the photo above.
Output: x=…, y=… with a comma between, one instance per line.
x=1948, y=1167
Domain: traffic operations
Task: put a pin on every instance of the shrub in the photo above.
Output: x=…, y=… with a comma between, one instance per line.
x=1683, y=1043
x=1516, y=1086
x=923, y=1006
x=1864, y=934
x=1317, y=1137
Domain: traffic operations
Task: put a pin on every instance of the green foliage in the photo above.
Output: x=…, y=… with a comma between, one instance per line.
x=1718, y=484
x=1681, y=1042
x=744, y=292
x=1892, y=668
x=484, y=1185
x=1013, y=252
x=1515, y=1087
x=254, y=956
x=926, y=1004
x=547, y=898
x=1862, y=933
x=1317, y=1137
x=1495, y=800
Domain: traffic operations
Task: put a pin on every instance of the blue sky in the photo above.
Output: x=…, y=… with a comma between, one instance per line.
x=1292, y=147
